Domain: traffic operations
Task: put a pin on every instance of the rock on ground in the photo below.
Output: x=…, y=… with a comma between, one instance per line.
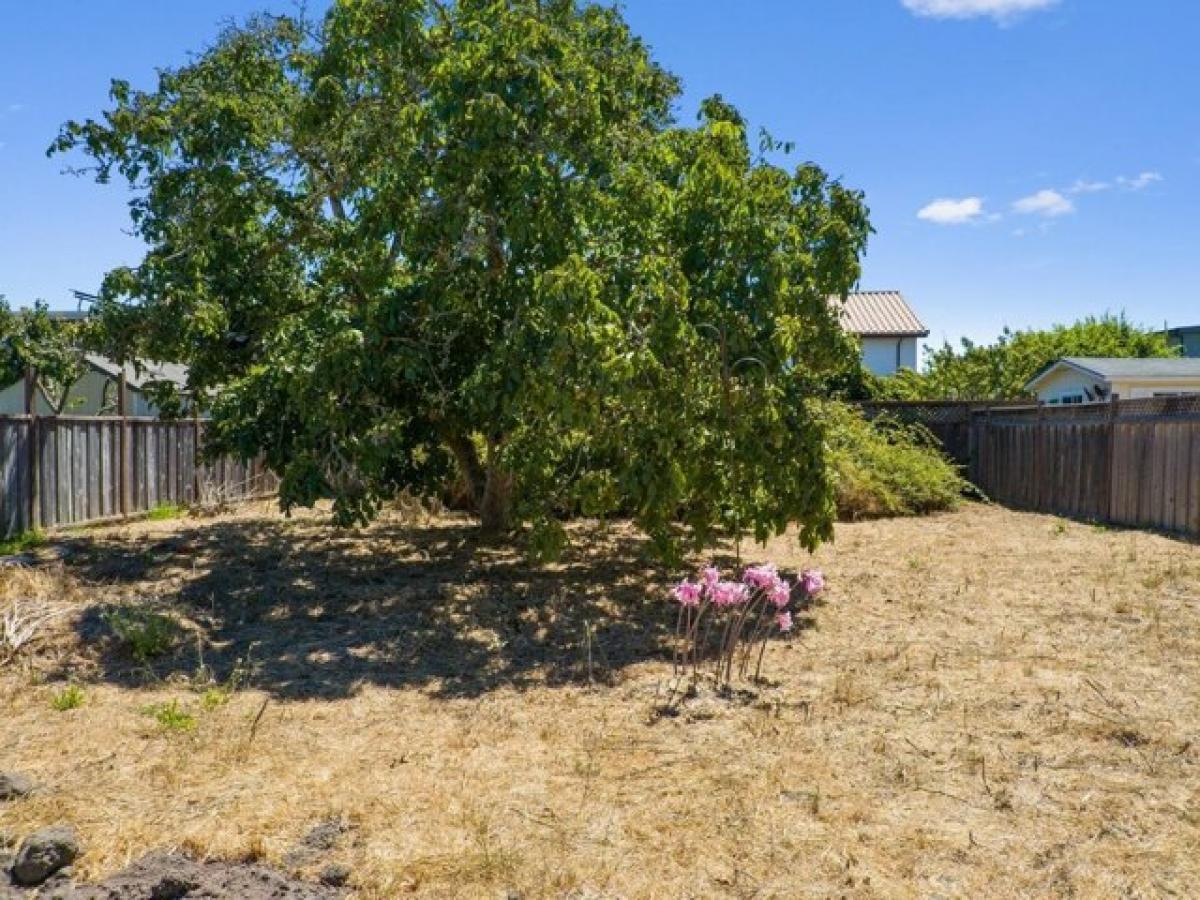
x=170, y=876
x=14, y=785
x=43, y=853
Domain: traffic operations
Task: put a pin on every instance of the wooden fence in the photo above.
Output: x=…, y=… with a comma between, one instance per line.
x=1133, y=462
x=69, y=470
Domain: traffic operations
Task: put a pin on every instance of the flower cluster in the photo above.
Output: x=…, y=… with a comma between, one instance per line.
x=736, y=615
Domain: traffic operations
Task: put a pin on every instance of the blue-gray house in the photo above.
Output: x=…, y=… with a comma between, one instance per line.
x=1187, y=338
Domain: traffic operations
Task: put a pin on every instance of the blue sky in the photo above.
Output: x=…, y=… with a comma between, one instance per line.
x=1026, y=161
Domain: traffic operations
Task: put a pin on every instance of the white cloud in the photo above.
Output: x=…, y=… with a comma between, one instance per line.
x=1138, y=182
x=1044, y=203
x=1000, y=10
x=1083, y=186
x=948, y=211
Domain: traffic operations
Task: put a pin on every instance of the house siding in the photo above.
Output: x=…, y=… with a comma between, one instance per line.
x=887, y=355
x=1188, y=341
x=1067, y=381
x=86, y=399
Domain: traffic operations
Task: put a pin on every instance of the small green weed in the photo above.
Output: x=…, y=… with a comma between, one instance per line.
x=214, y=698
x=70, y=697
x=147, y=634
x=165, y=511
x=171, y=716
x=27, y=540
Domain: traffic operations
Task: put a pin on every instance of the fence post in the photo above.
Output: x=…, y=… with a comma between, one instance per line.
x=1111, y=462
x=986, y=434
x=1039, y=439
x=124, y=449
x=972, y=448
x=195, y=456
x=34, y=451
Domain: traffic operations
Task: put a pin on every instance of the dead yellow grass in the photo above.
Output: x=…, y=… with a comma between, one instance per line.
x=988, y=704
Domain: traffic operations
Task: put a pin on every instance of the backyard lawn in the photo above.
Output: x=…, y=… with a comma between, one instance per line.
x=983, y=703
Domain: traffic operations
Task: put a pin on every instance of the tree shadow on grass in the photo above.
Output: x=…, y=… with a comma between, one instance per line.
x=308, y=612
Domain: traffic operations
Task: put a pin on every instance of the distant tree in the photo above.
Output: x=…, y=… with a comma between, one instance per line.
x=422, y=237
x=1001, y=370
x=52, y=349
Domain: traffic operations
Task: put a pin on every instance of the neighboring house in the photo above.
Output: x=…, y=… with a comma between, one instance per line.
x=1187, y=339
x=1092, y=379
x=886, y=326
x=95, y=394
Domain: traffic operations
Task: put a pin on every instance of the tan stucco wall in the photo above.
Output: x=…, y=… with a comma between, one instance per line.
x=1066, y=380
x=1133, y=390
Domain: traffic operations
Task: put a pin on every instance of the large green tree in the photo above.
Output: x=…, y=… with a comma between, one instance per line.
x=420, y=237
x=1000, y=371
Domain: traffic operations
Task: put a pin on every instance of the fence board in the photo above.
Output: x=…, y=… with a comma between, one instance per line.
x=79, y=464
x=14, y=462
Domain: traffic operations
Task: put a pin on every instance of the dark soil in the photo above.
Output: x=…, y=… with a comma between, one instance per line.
x=166, y=876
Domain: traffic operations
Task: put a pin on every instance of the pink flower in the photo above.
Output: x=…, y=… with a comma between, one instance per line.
x=812, y=581
x=729, y=593
x=780, y=593
x=762, y=577
x=710, y=575
x=688, y=593
x=784, y=620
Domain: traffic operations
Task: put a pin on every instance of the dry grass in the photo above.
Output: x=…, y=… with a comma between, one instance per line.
x=988, y=704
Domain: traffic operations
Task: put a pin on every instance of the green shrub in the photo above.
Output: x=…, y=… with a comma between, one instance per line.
x=171, y=716
x=886, y=468
x=70, y=697
x=147, y=634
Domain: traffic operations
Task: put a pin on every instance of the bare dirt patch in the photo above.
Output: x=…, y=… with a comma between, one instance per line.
x=986, y=704
x=171, y=876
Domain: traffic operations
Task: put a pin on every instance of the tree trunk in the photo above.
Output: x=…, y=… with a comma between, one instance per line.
x=470, y=468
x=496, y=506
x=490, y=486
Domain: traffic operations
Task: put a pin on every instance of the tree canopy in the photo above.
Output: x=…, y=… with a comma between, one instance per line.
x=1001, y=370
x=420, y=238
x=33, y=341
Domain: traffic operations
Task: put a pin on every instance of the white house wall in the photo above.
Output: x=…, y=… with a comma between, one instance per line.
x=887, y=355
x=1065, y=382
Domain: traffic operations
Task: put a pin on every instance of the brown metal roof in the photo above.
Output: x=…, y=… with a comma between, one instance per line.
x=880, y=314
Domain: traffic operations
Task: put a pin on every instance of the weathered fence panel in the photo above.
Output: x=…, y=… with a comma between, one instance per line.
x=69, y=470
x=14, y=485
x=1133, y=462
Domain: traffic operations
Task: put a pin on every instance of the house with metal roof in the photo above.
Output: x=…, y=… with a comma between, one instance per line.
x=1094, y=379
x=886, y=326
